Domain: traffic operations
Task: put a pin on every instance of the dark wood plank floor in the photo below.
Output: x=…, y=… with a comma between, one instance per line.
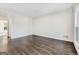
x=37, y=45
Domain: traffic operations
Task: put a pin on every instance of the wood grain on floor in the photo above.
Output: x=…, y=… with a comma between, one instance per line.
x=37, y=45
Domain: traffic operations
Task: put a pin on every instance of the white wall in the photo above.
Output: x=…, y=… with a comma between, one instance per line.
x=21, y=25
x=55, y=25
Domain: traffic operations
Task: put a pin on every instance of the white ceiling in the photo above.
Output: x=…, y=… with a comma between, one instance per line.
x=34, y=9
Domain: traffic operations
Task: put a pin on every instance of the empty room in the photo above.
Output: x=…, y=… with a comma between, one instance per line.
x=39, y=29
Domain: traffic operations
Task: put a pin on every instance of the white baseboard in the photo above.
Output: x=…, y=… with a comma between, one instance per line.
x=20, y=36
x=41, y=35
x=53, y=37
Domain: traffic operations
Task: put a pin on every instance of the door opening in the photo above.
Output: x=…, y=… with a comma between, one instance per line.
x=3, y=35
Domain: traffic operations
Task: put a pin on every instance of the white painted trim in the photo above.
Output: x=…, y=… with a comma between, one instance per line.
x=52, y=37
x=9, y=26
x=20, y=36
x=76, y=44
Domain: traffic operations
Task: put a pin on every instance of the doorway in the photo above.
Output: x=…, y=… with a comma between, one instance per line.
x=3, y=35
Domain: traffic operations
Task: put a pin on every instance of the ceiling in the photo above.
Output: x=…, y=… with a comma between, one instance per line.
x=34, y=9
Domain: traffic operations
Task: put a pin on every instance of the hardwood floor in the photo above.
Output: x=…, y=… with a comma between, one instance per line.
x=37, y=45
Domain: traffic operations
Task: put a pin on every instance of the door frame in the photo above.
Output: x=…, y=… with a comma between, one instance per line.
x=9, y=27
